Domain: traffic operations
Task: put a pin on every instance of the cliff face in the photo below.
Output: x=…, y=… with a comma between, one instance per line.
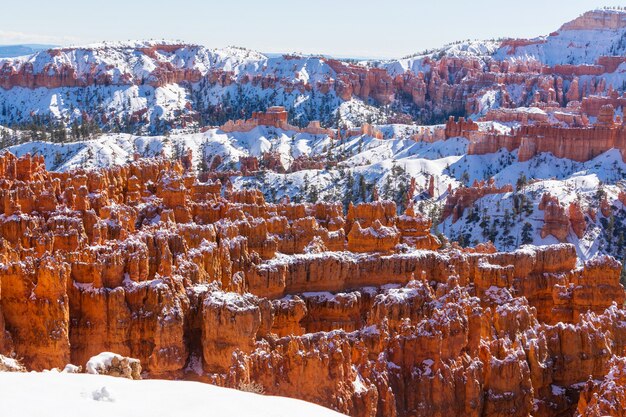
x=358, y=312
x=532, y=137
x=597, y=19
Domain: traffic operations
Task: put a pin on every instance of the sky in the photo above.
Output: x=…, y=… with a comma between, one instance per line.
x=343, y=28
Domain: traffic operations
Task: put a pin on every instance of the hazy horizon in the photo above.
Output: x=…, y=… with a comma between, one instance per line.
x=345, y=29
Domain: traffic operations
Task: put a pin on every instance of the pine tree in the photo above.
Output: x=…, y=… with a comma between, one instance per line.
x=313, y=196
x=203, y=167
x=363, y=188
x=527, y=236
x=305, y=184
x=465, y=178
x=521, y=182
x=506, y=220
x=349, y=195
x=58, y=159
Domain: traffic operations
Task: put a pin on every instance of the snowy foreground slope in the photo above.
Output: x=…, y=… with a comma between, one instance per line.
x=388, y=166
x=78, y=395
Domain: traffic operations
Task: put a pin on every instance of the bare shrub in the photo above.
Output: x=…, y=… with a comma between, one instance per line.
x=251, y=386
x=11, y=365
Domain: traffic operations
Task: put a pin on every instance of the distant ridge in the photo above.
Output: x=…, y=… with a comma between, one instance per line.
x=10, y=51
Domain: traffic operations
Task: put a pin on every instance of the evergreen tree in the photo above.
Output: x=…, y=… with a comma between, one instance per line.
x=465, y=178
x=349, y=195
x=313, y=196
x=527, y=234
x=363, y=188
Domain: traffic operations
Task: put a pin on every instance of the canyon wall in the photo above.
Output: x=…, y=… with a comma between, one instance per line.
x=576, y=143
x=361, y=312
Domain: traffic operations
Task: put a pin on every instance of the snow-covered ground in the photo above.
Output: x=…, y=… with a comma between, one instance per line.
x=78, y=395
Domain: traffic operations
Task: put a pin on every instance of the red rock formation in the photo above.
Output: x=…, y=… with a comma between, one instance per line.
x=272, y=161
x=573, y=94
x=55, y=74
x=576, y=143
x=591, y=104
x=611, y=63
x=606, y=116
x=431, y=186
x=577, y=219
x=606, y=397
x=166, y=269
x=304, y=162
x=449, y=85
x=555, y=219
x=596, y=19
x=274, y=116
x=314, y=128
x=460, y=128
x=367, y=213
x=362, y=82
x=229, y=322
x=376, y=238
x=415, y=230
x=464, y=197
x=513, y=44
x=36, y=289
x=249, y=164
x=524, y=116
x=365, y=129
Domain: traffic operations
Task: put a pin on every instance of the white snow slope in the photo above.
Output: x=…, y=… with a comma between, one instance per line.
x=78, y=395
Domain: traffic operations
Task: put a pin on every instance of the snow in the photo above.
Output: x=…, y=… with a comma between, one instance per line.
x=96, y=364
x=497, y=295
x=557, y=390
x=354, y=111
x=320, y=296
x=427, y=364
x=571, y=46
x=358, y=383
x=397, y=295
x=463, y=49
x=78, y=395
x=122, y=59
x=232, y=301
x=7, y=363
x=567, y=180
x=71, y=369
x=131, y=69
